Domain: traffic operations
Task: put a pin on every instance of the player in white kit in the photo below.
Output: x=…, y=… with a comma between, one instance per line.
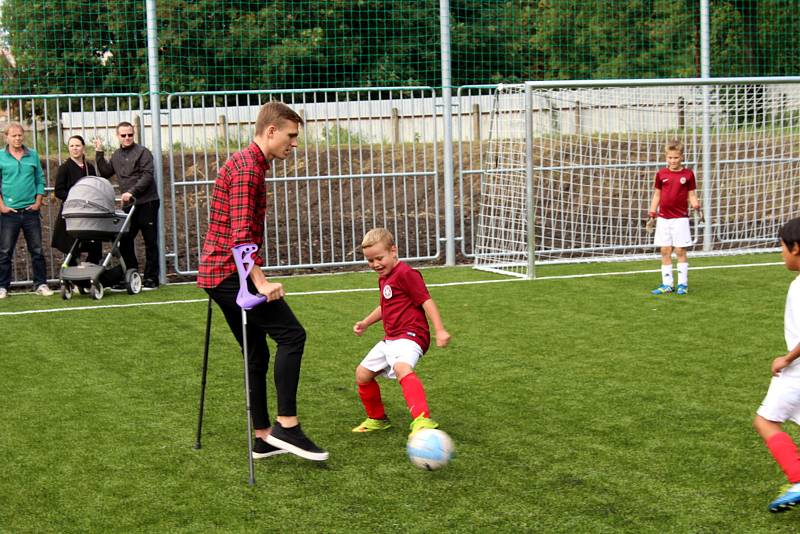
x=782, y=402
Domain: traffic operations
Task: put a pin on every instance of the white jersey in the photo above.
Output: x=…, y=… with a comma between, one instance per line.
x=782, y=402
x=791, y=324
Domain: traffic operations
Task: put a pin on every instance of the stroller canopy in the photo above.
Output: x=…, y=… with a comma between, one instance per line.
x=91, y=196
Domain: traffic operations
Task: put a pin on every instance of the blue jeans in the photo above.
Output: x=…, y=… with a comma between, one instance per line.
x=30, y=223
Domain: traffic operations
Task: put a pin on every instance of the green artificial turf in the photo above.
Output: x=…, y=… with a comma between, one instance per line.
x=576, y=405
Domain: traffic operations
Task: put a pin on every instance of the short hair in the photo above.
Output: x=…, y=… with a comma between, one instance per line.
x=790, y=233
x=78, y=137
x=377, y=235
x=124, y=124
x=673, y=145
x=13, y=126
x=275, y=113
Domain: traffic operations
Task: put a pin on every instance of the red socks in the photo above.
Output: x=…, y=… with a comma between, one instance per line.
x=370, y=394
x=414, y=394
x=785, y=452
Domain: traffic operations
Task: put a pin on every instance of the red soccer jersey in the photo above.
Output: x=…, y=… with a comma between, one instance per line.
x=238, y=205
x=402, y=294
x=675, y=187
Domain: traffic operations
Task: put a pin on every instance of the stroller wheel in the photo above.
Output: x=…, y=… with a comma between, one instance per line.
x=82, y=290
x=133, y=282
x=96, y=291
x=66, y=291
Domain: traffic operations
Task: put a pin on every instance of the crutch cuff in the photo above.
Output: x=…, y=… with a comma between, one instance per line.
x=243, y=258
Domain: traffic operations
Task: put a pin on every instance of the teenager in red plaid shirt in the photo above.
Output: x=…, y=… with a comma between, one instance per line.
x=238, y=206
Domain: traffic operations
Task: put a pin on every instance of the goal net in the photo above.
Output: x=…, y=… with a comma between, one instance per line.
x=502, y=243
x=593, y=159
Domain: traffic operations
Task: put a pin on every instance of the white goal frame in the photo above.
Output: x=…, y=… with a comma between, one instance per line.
x=736, y=131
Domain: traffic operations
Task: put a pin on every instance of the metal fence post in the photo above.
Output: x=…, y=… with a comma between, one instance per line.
x=705, y=73
x=155, y=124
x=447, y=148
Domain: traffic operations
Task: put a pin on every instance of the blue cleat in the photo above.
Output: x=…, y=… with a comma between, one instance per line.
x=663, y=289
x=682, y=289
x=787, y=500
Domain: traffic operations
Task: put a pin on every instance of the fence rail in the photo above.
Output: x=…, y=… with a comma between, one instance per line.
x=353, y=170
x=374, y=157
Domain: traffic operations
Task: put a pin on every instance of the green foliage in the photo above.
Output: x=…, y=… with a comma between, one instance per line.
x=338, y=135
x=80, y=46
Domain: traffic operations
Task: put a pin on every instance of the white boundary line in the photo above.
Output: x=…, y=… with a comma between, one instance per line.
x=375, y=289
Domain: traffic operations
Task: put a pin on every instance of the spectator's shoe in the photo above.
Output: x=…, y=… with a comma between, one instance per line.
x=44, y=291
x=3, y=292
x=422, y=422
x=663, y=289
x=262, y=449
x=150, y=284
x=789, y=497
x=370, y=425
x=682, y=289
x=293, y=440
x=119, y=286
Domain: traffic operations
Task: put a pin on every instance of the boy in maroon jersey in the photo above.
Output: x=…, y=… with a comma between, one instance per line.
x=405, y=308
x=674, y=189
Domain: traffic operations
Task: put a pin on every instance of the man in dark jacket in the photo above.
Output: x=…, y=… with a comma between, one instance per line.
x=133, y=165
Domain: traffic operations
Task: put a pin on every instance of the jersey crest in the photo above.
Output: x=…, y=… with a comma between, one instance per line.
x=387, y=291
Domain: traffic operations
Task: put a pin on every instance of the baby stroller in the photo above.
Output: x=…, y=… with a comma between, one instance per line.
x=90, y=215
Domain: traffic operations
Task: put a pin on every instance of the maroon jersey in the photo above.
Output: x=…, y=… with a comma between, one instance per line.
x=675, y=187
x=402, y=294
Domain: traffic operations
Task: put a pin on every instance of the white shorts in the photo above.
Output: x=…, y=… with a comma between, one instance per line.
x=782, y=402
x=673, y=233
x=386, y=353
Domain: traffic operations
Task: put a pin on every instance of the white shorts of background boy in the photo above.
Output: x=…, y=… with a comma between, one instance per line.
x=782, y=401
x=673, y=233
x=385, y=354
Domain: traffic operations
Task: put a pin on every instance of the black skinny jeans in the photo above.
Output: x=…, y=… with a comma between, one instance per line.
x=276, y=320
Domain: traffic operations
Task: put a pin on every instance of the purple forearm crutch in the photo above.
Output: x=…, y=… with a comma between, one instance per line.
x=243, y=257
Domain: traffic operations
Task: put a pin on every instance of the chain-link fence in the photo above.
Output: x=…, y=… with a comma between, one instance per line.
x=75, y=46
x=367, y=74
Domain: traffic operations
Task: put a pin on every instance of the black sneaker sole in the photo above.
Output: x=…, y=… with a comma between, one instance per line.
x=297, y=451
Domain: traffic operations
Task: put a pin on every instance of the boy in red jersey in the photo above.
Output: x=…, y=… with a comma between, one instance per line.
x=674, y=186
x=405, y=308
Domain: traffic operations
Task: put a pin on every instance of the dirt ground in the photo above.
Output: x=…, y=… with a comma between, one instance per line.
x=317, y=224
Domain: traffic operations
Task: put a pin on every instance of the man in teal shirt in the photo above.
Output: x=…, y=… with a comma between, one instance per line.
x=21, y=193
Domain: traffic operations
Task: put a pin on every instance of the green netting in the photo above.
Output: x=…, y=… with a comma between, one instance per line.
x=75, y=46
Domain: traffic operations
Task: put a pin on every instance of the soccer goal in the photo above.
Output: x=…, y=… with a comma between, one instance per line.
x=505, y=241
x=568, y=171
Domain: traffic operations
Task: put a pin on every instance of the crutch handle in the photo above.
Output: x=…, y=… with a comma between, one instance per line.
x=243, y=257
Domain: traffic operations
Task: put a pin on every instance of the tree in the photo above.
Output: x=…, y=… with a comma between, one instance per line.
x=59, y=45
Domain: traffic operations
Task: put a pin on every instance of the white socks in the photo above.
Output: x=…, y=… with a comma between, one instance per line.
x=683, y=274
x=666, y=275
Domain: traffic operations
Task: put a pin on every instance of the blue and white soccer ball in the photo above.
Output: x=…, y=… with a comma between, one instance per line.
x=430, y=449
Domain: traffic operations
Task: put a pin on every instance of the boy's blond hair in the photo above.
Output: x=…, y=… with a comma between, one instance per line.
x=674, y=145
x=378, y=235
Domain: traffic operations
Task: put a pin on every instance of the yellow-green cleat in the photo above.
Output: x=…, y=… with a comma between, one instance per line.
x=422, y=422
x=370, y=425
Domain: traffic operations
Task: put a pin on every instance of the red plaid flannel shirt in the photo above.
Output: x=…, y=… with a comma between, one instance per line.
x=238, y=206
